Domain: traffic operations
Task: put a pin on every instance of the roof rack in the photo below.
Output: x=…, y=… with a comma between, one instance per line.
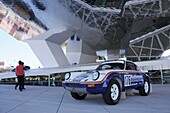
x=115, y=60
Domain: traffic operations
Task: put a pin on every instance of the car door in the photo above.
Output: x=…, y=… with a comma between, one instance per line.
x=131, y=77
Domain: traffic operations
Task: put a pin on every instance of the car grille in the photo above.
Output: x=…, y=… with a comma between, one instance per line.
x=73, y=85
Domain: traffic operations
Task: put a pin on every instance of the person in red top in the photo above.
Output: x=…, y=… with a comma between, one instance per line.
x=19, y=70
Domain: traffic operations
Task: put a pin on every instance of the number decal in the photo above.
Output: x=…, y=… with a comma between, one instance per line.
x=127, y=80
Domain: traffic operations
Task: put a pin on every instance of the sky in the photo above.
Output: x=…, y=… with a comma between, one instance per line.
x=13, y=50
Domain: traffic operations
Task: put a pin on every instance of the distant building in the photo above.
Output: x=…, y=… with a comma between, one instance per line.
x=2, y=64
x=17, y=26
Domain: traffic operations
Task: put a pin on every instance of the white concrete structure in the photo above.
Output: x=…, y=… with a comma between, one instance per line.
x=83, y=51
x=100, y=28
x=96, y=29
x=47, y=47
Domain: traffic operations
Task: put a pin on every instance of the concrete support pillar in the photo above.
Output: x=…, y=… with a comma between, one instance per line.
x=49, y=80
x=126, y=93
x=112, y=54
x=151, y=89
x=47, y=47
x=129, y=92
x=78, y=52
x=123, y=95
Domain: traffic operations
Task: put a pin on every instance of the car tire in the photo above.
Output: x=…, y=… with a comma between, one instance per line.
x=78, y=96
x=145, y=89
x=113, y=92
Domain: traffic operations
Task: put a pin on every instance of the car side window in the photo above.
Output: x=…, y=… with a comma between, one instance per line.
x=106, y=67
x=138, y=69
x=130, y=66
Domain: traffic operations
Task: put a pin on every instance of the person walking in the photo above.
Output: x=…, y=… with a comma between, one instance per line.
x=23, y=77
x=19, y=70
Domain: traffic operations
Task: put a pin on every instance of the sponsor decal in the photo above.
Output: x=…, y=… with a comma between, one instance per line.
x=105, y=84
x=127, y=80
x=130, y=80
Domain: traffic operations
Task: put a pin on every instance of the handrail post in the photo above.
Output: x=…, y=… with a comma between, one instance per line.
x=161, y=74
x=49, y=80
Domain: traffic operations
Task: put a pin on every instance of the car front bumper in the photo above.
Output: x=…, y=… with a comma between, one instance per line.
x=85, y=88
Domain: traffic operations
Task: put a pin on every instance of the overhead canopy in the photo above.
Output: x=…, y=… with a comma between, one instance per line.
x=160, y=64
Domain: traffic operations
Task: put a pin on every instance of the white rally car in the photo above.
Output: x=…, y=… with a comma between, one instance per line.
x=109, y=79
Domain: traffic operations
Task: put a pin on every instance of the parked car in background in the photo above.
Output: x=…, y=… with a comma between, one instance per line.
x=109, y=79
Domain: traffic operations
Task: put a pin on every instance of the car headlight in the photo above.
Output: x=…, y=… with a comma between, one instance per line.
x=95, y=75
x=67, y=76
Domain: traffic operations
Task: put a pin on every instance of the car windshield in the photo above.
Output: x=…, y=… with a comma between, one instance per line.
x=114, y=66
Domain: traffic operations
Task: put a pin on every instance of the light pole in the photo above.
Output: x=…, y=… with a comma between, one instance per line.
x=14, y=62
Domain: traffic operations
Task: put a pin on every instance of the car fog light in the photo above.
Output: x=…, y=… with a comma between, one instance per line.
x=90, y=85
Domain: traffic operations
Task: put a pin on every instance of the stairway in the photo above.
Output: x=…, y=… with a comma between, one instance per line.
x=145, y=8
x=151, y=45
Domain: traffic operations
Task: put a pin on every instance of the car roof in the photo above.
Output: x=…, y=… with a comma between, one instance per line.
x=116, y=61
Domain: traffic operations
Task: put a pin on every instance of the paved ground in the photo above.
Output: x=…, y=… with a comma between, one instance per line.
x=40, y=99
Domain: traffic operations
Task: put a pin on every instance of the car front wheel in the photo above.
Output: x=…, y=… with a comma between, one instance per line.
x=78, y=96
x=113, y=92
